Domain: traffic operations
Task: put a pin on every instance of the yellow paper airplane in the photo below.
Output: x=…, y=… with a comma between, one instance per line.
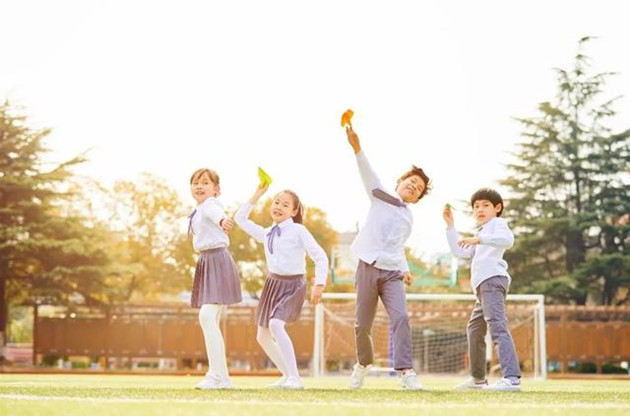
x=265, y=179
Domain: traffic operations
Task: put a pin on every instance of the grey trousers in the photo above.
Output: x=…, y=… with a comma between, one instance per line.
x=372, y=283
x=489, y=312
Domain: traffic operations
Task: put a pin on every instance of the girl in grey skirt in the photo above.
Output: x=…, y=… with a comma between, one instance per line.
x=285, y=242
x=216, y=283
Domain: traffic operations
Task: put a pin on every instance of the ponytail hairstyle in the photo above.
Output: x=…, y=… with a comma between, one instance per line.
x=297, y=204
x=212, y=175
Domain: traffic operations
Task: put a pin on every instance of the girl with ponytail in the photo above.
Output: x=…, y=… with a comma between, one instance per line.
x=286, y=242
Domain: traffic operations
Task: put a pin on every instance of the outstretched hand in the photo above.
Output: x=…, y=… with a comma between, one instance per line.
x=447, y=214
x=260, y=190
x=353, y=139
x=468, y=242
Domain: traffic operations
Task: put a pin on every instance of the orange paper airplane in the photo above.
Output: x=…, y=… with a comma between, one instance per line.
x=346, y=118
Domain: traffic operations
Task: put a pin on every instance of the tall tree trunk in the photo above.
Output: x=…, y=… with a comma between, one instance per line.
x=576, y=249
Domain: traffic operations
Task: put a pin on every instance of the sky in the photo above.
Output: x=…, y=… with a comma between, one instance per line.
x=167, y=87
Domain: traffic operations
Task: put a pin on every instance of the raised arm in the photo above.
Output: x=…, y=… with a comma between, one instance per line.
x=452, y=237
x=242, y=216
x=368, y=176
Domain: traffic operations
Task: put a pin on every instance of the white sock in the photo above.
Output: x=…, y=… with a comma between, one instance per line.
x=265, y=339
x=210, y=318
x=285, y=346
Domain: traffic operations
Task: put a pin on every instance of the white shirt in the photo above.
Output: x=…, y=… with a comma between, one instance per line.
x=386, y=228
x=289, y=247
x=487, y=257
x=207, y=232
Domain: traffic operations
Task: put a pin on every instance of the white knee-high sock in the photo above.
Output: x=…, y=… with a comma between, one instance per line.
x=265, y=339
x=210, y=318
x=285, y=346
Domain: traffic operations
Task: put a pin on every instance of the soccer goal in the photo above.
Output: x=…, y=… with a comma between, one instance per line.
x=438, y=331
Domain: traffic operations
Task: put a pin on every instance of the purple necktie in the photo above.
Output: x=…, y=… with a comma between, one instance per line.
x=385, y=197
x=190, y=217
x=270, y=236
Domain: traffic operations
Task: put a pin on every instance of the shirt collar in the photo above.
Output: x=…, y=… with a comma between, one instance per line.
x=211, y=200
x=395, y=195
x=284, y=223
x=486, y=224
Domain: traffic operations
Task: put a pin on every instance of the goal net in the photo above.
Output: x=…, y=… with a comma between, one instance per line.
x=438, y=332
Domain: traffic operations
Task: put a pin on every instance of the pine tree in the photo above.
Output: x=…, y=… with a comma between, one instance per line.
x=570, y=194
x=45, y=255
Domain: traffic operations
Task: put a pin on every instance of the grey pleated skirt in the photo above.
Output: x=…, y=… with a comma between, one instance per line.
x=216, y=279
x=282, y=298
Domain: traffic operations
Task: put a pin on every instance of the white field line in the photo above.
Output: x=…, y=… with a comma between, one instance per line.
x=285, y=403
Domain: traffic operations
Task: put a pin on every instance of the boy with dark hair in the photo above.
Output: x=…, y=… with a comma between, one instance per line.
x=383, y=269
x=491, y=282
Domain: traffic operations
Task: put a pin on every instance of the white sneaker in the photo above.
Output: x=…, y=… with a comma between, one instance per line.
x=504, y=384
x=212, y=382
x=278, y=384
x=472, y=384
x=293, y=383
x=226, y=384
x=209, y=382
x=410, y=381
x=358, y=374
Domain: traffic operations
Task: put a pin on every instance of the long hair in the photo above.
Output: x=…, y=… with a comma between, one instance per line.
x=297, y=204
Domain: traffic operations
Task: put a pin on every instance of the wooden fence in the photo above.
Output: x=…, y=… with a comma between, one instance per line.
x=587, y=335
x=574, y=334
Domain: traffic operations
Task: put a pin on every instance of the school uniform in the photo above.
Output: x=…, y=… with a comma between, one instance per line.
x=490, y=281
x=379, y=245
x=285, y=246
x=216, y=275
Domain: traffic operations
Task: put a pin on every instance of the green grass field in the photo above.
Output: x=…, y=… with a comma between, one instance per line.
x=96, y=395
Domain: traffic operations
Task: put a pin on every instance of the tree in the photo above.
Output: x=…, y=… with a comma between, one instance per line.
x=570, y=192
x=148, y=241
x=44, y=253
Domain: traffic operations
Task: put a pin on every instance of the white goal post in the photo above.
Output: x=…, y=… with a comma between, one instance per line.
x=438, y=323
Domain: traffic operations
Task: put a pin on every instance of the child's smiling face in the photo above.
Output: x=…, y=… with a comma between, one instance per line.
x=202, y=188
x=411, y=188
x=282, y=207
